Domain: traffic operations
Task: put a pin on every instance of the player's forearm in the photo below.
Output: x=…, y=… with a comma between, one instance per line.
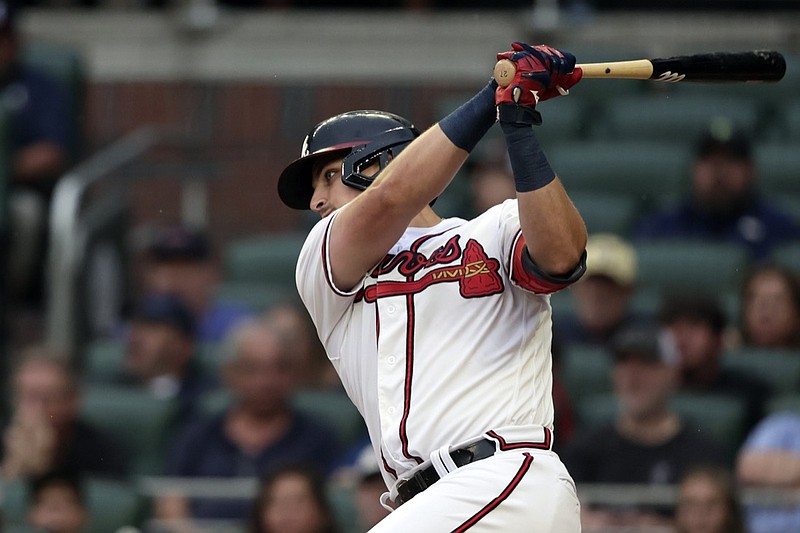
x=777, y=469
x=553, y=228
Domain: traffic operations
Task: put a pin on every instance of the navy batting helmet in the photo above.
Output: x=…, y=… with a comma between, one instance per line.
x=361, y=137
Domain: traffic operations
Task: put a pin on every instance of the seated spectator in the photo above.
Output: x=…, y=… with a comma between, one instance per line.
x=708, y=502
x=770, y=458
x=160, y=353
x=603, y=295
x=45, y=432
x=770, y=308
x=314, y=368
x=491, y=184
x=647, y=443
x=369, y=488
x=180, y=261
x=258, y=431
x=697, y=323
x=292, y=498
x=58, y=504
x=39, y=146
x=724, y=204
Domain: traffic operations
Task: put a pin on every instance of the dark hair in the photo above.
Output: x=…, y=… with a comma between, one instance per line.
x=315, y=481
x=723, y=481
x=62, y=478
x=699, y=307
x=790, y=278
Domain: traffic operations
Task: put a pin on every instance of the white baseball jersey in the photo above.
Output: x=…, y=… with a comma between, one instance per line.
x=446, y=339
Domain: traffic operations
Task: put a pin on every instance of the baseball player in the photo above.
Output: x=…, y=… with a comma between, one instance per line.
x=440, y=329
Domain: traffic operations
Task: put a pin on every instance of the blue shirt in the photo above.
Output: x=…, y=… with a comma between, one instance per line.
x=777, y=432
x=203, y=449
x=759, y=227
x=219, y=319
x=39, y=109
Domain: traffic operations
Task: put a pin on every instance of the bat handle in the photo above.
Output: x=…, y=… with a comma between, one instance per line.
x=504, y=71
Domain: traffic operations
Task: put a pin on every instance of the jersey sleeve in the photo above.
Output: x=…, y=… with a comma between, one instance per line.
x=523, y=271
x=325, y=302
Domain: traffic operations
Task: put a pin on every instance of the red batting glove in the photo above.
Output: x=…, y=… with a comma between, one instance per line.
x=542, y=72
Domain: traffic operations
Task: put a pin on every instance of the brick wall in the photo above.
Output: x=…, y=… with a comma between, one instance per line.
x=248, y=131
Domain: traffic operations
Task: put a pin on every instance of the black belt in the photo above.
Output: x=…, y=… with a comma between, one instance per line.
x=426, y=477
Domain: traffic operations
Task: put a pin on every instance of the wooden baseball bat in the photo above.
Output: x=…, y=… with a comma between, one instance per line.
x=754, y=66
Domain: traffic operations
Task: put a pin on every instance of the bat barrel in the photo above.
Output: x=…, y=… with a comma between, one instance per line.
x=757, y=66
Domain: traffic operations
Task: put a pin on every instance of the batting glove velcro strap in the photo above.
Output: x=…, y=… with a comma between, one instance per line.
x=518, y=115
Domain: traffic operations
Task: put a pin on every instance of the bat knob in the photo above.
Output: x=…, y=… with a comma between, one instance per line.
x=504, y=71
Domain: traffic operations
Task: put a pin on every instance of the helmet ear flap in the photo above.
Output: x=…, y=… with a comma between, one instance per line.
x=382, y=149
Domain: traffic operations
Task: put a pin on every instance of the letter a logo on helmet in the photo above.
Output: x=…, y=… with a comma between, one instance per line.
x=360, y=137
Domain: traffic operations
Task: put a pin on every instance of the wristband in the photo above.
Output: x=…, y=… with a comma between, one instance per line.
x=528, y=162
x=469, y=123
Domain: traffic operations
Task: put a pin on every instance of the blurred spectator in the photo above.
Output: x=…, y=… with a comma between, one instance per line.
x=770, y=309
x=647, y=443
x=39, y=141
x=697, y=323
x=770, y=457
x=161, y=352
x=258, y=431
x=563, y=408
x=58, y=504
x=491, y=185
x=314, y=368
x=724, y=204
x=292, y=499
x=369, y=488
x=45, y=432
x=708, y=502
x=180, y=261
x=603, y=295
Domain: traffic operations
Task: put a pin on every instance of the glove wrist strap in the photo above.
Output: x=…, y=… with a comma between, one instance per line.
x=519, y=115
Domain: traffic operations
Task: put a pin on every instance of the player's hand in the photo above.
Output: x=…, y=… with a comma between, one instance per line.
x=542, y=72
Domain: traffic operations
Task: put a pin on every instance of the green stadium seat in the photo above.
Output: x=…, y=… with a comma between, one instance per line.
x=256, y=295
x=103, y=360
x=643, y=170
x=779, y=368
x=585, y=370
x=345, y=511
x=665, y=118
x=791, y=116
x=720, y=418
x=778, y=168
x=112, y=505
x=138, y=419
x=788, y=255
x=785, y=402
x=606, y=212
x=595, y=409
x=334, y=409
x=690, y=265
x=268, y=258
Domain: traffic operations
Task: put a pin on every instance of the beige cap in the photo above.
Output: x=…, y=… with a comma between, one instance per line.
x=610, y=255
